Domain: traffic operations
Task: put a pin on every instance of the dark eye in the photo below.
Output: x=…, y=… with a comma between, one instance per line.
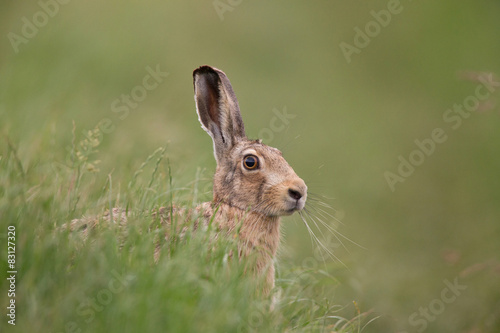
x=250, y=162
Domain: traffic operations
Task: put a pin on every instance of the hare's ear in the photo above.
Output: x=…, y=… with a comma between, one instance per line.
x=218, y=109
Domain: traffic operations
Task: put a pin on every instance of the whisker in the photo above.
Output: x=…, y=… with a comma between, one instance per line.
x=321, y=231
x=322, y=213
x=322, y=246
x=322, y=203
x=317, y=196
x=308, y=215
x=331, y=229
x=313, y=237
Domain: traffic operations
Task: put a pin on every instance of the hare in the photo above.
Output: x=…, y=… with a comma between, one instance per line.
x=253, y=184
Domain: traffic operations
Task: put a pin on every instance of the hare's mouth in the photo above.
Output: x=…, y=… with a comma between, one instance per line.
x=295, y=206
x=284, y=209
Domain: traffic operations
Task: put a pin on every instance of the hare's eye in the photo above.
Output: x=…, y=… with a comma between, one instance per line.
x=250, y=162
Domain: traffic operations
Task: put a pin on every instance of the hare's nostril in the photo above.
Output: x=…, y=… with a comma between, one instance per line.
x=294, y=194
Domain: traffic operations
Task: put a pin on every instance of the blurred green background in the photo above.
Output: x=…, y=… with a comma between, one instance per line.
x=352, y=122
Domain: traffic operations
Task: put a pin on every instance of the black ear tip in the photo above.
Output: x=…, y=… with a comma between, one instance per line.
x=205, y=69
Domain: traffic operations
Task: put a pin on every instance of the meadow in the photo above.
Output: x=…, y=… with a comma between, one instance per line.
x=389, y=110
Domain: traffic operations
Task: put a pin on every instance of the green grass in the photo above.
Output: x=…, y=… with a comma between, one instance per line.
x=110, y=283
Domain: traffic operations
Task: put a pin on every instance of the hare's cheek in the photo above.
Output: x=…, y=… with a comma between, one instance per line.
x=279, y=198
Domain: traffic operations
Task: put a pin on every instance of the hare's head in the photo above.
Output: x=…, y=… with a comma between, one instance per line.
x=249, y=175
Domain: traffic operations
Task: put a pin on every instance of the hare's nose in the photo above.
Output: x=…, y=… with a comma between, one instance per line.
x=297, y=190
x=294, y=194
